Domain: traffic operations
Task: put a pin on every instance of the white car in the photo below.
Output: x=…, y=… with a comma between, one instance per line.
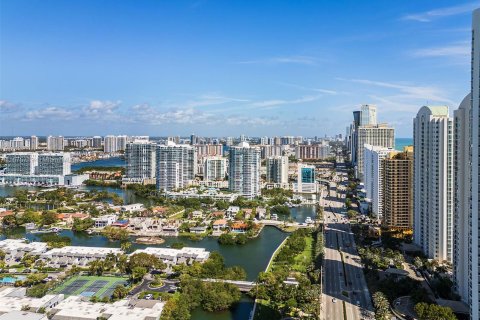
x=334, y=300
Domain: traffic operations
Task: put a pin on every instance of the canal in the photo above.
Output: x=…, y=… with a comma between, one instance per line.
x=252, y=256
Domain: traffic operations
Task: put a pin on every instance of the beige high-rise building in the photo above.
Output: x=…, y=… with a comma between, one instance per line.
x=397, y=184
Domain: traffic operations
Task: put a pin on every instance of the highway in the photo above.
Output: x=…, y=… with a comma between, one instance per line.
x=342, y=282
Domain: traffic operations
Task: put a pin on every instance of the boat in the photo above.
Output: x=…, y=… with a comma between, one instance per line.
x=30, y=226
x=43, y=231
x=308, y=220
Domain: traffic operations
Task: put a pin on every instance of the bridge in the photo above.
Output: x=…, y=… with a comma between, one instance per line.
x=243, y=286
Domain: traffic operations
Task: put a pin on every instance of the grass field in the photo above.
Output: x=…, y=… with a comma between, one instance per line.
x=90, y=286
x=303, y=259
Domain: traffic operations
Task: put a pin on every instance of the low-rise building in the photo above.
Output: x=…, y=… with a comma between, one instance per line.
x=197, y=214
x=232, y=212
x=239, y=227
x=177, y=256
x=198, y=230
x=15, y=299
x=23, y=315
x=261, y=213
x=134, y=207
x=75, y=307
x=76, y=255
x=105, y=220
x=16, y=249
x=219, y=224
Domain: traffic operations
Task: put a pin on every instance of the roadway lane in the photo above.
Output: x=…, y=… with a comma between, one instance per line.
x=339, y=236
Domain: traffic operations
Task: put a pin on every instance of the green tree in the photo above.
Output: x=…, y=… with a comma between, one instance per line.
x=113, y=233
x=49, y=218
x=9, y=221
x=351, y=214
x=381, y=305
x=175, y=309
x=241, y=239
x=145, y=260
x=138, y=273
x=82, y=225
x=427, y=311
x=417, y=262
x=119, y=292
x=125, y=246
x=38, y=290
x=226, y=238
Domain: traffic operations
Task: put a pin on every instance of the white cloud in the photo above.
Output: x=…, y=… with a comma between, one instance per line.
x=98, y=109
x=320, y=90
x=305, y=60
x=145, y=113
x=442, y=12
x=8, y=107
x=279, y=102
x=460, y=50
x=56, y=113
x=410, y=92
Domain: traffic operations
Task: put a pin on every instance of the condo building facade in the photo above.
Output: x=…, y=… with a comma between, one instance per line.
x=55, y=143
x=466, y=262
x=176, y=166
x=244, y=170
x=433, y=182
x=397, y=194
x=373, y=171
x=277, y=170
x=380, y=135
x=215, y=168
x=140, y=159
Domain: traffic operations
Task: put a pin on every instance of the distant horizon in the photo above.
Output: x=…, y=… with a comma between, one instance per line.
x=181, y=136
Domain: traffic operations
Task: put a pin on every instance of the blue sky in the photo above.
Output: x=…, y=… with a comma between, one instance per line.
x=219, y=68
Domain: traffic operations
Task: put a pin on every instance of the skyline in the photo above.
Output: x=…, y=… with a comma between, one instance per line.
x=225, y=69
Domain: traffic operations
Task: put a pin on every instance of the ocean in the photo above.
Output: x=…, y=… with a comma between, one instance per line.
x=402, y=142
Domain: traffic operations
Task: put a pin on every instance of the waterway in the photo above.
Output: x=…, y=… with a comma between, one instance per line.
x=109, y=162
x=252, y=256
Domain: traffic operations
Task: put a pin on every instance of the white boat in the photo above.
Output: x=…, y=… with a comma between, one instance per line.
x=308, y=220
x=30, y=226
x=51, y=230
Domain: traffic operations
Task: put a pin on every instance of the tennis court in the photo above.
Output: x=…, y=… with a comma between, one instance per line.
x=89, y=286
x=108, y=293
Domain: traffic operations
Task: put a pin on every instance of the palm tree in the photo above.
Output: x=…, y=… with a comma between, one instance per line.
x=125, y=246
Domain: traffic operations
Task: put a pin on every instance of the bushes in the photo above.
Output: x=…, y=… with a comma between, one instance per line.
x=295, y=244
x=211, y=296
x=229, y=239
x=381, y=305
x=318, y=249
x=280, y=209
x=113, y=233
x=433, y=312
x=378, y=258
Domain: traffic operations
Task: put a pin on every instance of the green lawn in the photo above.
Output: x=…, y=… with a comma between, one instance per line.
x=303, y=259
x=111, y=283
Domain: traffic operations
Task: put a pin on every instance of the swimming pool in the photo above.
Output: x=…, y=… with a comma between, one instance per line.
x=11, y=280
